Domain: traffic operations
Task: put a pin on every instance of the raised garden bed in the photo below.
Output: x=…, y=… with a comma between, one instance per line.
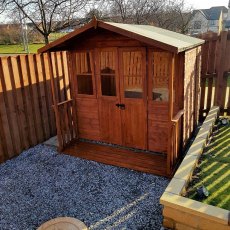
x=213, y=171
x=182, y=213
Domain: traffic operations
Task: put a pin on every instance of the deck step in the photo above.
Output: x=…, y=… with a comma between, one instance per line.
x=140, y=161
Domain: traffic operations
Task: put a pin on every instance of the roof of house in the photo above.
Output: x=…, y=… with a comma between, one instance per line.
x=214, y=12
x=165, y=39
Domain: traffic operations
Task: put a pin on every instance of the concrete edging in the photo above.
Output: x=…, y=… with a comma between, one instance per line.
x=183, y=213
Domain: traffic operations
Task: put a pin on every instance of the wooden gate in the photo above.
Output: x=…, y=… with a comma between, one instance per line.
x=63, y=98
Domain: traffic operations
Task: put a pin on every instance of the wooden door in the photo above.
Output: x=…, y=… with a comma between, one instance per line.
x=109, y=95
x=133, y=97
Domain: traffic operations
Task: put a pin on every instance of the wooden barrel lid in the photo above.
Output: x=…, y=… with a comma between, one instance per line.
x=63, y=223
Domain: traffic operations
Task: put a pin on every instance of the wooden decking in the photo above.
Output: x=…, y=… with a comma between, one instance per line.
x=140, y=161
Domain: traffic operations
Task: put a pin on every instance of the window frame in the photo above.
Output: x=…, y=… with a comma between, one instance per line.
x=150, y=80
x=212, y=22
x=98, y=72
x=197, y=26
x=140, y=75
x=81, y=95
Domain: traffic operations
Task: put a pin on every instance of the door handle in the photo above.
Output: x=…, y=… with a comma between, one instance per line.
x=121, y=106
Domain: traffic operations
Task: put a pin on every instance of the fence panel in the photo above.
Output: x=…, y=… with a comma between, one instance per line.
x=26, y=112
x=215, y=73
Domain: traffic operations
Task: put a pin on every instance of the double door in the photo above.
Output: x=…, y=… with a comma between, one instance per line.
x=121, y=87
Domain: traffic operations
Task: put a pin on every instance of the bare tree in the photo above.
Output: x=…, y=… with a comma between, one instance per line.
x=173, y=15
x=121, y=10
x=97, y=8
x=185, y=15
x=144, y=9
x=9, y=34
x=47, y=16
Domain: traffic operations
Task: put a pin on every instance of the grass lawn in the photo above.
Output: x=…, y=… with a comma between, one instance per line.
x=18, y=48
x=213, y=171
x=14, y=49
x=55, y=36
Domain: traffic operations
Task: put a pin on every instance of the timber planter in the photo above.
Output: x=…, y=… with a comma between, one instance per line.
x=184, y=213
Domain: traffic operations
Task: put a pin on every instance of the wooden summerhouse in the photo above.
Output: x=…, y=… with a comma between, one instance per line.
x=133, y=86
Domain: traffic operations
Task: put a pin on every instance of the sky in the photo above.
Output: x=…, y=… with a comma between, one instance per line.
x=205, y=4
x=196, y=4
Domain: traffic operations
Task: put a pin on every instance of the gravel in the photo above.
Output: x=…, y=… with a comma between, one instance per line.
x=42, y=184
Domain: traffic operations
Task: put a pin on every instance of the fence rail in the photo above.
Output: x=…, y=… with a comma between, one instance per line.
x=26, y=113
x=215, y=73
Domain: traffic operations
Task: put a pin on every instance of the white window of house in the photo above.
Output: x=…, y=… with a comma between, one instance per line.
x=212, y=23
x=197, y=25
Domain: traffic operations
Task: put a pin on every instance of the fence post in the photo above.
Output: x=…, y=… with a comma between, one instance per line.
x=220, y=70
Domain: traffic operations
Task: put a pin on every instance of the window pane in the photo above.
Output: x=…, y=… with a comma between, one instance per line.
x=133, y=76
x=84, y=63
x=85, y=84
x=84, y=73
x=107, y=70
x=197, y=24
x=160, y=76
x=108, y=85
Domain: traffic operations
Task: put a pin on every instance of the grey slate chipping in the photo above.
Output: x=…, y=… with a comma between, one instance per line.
x=41, y=184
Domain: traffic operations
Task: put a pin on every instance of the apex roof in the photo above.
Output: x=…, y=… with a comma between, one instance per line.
x=165, y=39
x=214, y=12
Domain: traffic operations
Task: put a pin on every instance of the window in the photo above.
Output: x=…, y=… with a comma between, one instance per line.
x=212, y=23
x=160, y=76
x=84, y=73
x=133, y=74
x=107, y=71
x=197, y=25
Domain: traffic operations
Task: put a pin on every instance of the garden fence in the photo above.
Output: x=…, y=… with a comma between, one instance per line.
x=215, y=73
x=26, y=113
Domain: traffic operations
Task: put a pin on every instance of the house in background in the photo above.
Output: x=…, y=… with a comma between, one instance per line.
x=212, y=19
x=227, y=19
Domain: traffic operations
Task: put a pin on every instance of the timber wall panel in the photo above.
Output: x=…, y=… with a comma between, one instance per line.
x=26, y=113
x=191, y=91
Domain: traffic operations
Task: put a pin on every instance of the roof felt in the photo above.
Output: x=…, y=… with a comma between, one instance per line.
x=180, y=41
x=165, y=39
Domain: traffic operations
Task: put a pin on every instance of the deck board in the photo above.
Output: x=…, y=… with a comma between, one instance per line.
x=140, y=161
